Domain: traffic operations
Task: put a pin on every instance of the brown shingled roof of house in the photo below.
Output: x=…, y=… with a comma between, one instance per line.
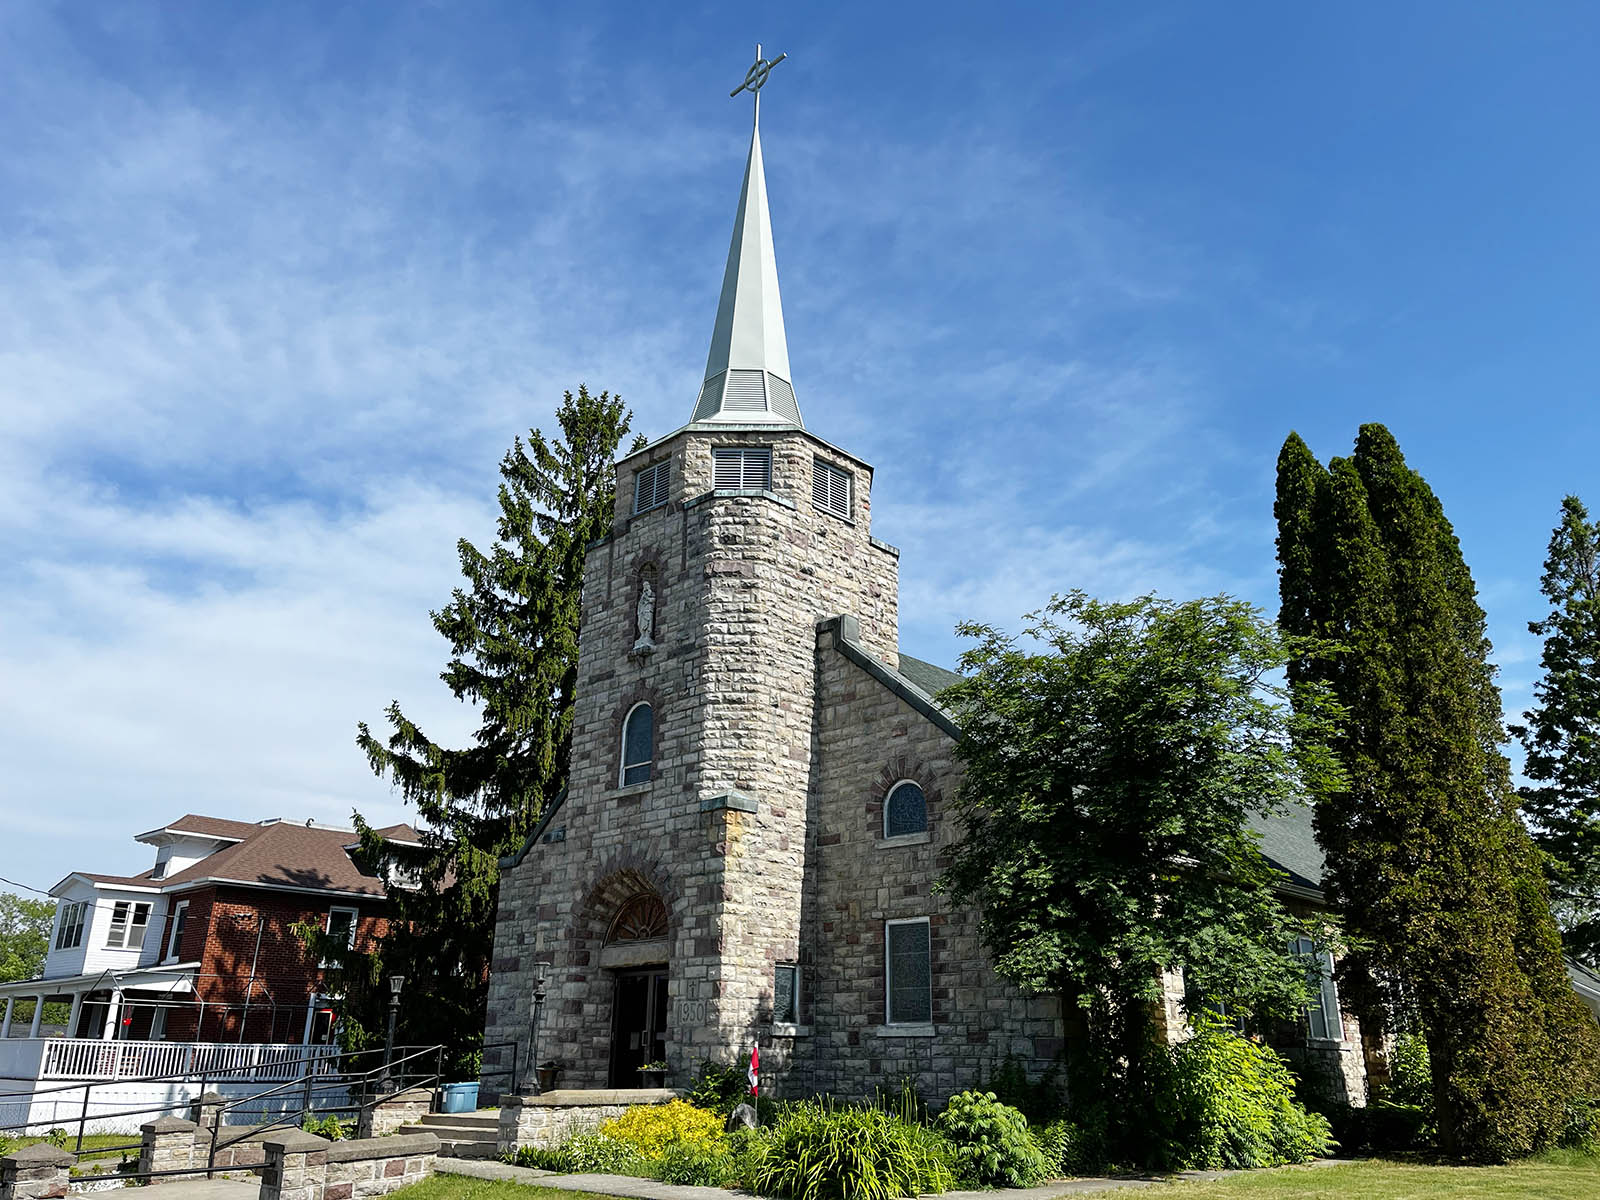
x=143, y=879
x=217, y=827
x=286, y=855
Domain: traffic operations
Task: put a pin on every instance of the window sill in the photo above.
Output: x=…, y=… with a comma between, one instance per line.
x=632, y=789
x=903, y=839
x=828, y=512
x=783, y=1029
x=904, y=1031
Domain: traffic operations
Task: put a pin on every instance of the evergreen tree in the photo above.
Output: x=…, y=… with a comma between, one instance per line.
x=513, y=634
x=1427, y=859
x=1562, y=736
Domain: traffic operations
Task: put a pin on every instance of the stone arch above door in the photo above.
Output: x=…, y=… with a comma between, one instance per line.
x=627, y=918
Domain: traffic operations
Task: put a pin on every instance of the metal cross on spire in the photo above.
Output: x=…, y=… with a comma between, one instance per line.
x=755, y=79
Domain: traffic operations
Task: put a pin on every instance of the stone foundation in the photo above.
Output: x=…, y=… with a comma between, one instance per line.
x=393, y=1112
x=546, y=1121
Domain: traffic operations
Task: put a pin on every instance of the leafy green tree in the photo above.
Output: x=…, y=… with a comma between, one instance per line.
x=24, y=935
x=1562, y=735
x=513, y=635
x=1111, y=763
x=1427, y=859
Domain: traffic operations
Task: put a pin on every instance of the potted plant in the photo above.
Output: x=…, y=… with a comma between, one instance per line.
x=653, y=1075
x=549, y=1072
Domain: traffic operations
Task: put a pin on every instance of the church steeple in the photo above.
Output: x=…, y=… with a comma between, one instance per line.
x=747, y=371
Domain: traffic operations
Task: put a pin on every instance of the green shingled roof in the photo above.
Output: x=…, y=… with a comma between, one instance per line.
x=926, y=676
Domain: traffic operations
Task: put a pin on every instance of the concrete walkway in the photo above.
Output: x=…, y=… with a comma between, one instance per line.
x=649, y=1189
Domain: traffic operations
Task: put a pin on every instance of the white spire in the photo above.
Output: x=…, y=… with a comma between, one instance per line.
x=747, y=371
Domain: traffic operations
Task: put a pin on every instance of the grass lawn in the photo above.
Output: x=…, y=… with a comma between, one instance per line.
x=1558, y=1176
x=92, y=1142
x=463, y=1187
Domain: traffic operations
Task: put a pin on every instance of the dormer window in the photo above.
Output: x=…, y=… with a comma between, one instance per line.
x=830, y=488
x=742, y=468
x=650, y=485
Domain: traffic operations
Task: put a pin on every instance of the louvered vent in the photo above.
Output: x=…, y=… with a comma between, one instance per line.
x=830, y=488
x=742, y=468
x=710, y=398
x=650, y=486
x=780, y=399
x=746, y=392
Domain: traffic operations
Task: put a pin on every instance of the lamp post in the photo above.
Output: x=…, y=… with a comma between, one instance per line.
x=539, y=969
x=396, y=984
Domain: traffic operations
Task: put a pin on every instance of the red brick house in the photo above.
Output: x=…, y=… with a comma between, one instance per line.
x=200, y=948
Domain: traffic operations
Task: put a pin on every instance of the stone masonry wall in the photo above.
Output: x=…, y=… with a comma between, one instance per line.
x=869, y=739
x=739, y=581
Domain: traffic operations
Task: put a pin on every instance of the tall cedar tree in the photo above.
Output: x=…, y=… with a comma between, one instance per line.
x=1109, y=777
x=1562, y=736
x=513, y=634
x=1427, y=859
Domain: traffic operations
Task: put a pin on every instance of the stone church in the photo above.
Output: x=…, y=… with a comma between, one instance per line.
x=760, y=780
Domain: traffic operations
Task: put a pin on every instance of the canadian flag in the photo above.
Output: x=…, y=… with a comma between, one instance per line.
x=755, y=1068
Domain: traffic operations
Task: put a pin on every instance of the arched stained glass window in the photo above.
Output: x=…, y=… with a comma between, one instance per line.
x=638, y=738
x=640, y=919
x=905, y=810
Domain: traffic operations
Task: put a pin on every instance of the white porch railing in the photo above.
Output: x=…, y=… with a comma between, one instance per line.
x=86, y=1058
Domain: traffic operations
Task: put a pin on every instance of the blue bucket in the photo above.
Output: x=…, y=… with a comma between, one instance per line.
x=460, y=1097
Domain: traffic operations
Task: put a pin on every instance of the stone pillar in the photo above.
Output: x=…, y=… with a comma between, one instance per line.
x=205, y=1110
x=394, y=1110
x=39, y=1172
x=168, y=1144
x=38, y=1015
x=296, y=1166
x=5, y=1026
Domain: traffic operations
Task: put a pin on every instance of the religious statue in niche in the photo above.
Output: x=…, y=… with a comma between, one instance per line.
x=645, y=615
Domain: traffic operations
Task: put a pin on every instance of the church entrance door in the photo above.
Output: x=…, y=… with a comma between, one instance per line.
x=639, y=1027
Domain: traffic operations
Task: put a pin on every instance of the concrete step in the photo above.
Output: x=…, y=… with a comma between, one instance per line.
x=482, y=1119
x=468, y=1150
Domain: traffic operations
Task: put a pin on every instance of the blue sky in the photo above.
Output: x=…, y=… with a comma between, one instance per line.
x=279, y=283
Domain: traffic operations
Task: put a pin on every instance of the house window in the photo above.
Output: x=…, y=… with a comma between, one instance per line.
x=786, y=995
x=69, y=928
x=1322, y=1016
x=650, y=485
x=905, y=810
x=341, y=927
x=128, y=921
x=742, y=468
x=180, y=916
x=830, y=488
x=908, y=981
x=638, y=737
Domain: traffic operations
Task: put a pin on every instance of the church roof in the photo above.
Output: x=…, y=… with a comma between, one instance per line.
x=747, y=370
x=930, y=678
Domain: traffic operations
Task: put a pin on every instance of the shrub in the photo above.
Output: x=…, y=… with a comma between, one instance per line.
x=1581, y=1128
x=595, y=1153
x=1040, y=1100
x=1231, y=1102
x=1074, y=1147
x=328, y=1127
x=650, y=1128
x=1410, y=1073
x=1378, y=1128
x=684, y=1163
x=818, y=1151
x=721, y=1087
x=992, y=1141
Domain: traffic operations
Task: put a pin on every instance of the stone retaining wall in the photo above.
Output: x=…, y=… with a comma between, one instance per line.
x=38, y=1172
x=546, y=1121
x=302, y=1166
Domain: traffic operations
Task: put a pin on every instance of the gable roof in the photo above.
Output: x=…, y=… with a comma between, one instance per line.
x=925, y=675
x=218, y=828
x=284, y=855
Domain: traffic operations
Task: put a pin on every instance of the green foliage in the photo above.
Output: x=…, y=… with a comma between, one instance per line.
x=586, y=1153
x=1041, y=1100
x=1561, y=739
x=697, y=1166
x=513, y=635
x=1427, y=861
x=1410, y=1074
x=1109, y=778
x=329, y=1127
x=650, y=1128
x=721, y=1087
x=58, y=1138
x=1228, y=1102
x=820, y=1151
x=24, y=935
x=992, y=1142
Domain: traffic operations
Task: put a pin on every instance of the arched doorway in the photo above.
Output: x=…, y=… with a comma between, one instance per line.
x=636, y=950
